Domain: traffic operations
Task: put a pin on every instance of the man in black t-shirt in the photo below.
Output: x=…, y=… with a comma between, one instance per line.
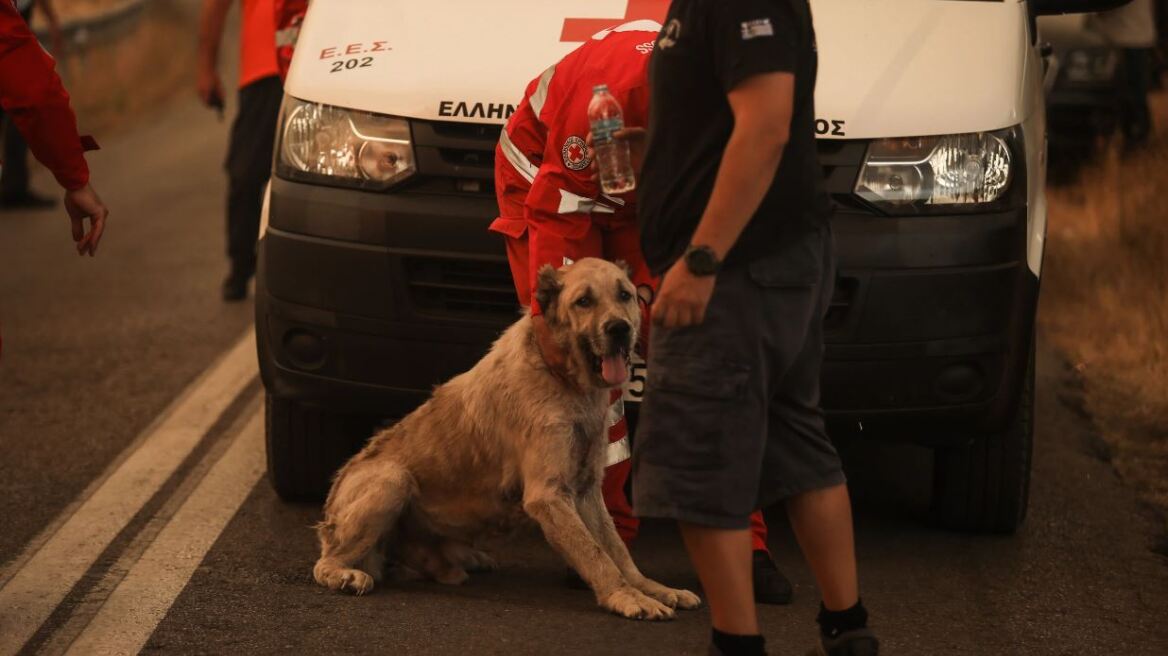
x=733, y=214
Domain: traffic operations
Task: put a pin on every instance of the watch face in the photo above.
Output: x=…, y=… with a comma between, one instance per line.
x=701, y=261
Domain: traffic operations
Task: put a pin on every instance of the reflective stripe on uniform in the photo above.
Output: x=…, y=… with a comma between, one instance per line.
x=540, y=96
x=517, y=158
x=287, y=37
x=618, y=452
x=571, y=203
x=616, y=411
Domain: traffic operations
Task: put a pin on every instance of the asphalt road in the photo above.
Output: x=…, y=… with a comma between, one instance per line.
x=116, y=365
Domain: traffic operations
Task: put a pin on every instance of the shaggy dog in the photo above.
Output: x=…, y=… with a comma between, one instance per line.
x=506, y=441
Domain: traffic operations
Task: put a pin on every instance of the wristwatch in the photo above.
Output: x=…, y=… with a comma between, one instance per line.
x=701, y=261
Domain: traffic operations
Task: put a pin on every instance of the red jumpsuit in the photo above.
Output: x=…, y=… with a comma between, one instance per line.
x=552, y=212
x=33, y=97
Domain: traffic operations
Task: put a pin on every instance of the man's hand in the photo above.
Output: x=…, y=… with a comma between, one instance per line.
x=82, y=204
x=210, y=87
x=636, y=138
x=212, y=16
x=683, y=297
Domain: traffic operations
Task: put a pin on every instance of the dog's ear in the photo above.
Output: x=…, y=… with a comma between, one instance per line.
x=624, y=266
x=547, y=288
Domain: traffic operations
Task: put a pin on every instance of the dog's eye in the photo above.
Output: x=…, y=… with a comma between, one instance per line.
x=584, y=301
x=625, y=296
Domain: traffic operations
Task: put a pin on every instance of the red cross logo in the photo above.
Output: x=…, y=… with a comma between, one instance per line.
x=575, y=154
x=582, y=29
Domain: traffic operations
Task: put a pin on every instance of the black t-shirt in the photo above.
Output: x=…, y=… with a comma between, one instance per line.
x=706, y=48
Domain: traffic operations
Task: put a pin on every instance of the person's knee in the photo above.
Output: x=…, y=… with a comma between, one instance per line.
x=830, y=494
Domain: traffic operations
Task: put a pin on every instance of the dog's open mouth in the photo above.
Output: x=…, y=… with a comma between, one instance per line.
x=613, y=369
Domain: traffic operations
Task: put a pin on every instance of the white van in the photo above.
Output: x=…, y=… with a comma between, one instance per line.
x=378, y=278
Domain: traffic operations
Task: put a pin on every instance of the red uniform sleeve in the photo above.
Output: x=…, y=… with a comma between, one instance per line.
x=32, y=95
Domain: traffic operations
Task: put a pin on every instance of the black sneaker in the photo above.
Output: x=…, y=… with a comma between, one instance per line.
x=235, y=287
x=27, y=201
x=770, y=586
x=860, y=642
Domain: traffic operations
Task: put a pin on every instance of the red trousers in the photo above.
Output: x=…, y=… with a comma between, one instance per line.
x=613, y=238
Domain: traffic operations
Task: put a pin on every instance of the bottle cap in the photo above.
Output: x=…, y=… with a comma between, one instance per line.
x=600, y=88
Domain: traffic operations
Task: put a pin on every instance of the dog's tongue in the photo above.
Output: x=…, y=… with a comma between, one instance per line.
x=613, y=369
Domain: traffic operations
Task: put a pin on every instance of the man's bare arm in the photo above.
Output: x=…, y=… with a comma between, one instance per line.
x=212, y=17
x=762, y=107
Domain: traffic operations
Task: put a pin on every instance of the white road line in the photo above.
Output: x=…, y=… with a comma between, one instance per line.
x=141, y=600
x=56, y=564
x=87, y=607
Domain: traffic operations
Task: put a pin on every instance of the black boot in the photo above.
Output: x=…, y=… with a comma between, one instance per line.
x=235, y=286
x=770, y=586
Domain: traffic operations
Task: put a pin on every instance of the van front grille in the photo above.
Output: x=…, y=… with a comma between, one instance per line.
x=462, y=289
x=455, y=158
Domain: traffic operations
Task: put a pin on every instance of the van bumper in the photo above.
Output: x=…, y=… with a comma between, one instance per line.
x=365, y=302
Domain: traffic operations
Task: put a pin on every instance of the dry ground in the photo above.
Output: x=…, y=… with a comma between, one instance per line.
x=1105, y=305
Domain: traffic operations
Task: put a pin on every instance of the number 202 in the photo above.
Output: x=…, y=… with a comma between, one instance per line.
x=349, y=64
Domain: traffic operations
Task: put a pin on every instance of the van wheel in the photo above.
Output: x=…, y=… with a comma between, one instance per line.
x=306, y=446
x=985, y=487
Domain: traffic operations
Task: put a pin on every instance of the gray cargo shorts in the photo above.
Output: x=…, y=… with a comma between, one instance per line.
x=730, y=420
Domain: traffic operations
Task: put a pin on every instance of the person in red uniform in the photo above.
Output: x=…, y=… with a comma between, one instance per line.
x=33, y=97
x=16, y=193
x=253, y=132
x=551, y=211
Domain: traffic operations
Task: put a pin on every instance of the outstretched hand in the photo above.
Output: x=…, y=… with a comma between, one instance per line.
x=82, y=204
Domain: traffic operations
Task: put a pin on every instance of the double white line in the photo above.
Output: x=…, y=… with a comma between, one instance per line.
x=119, y=616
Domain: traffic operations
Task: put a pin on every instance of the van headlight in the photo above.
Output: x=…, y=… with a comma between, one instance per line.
x=338, y=146
x=937, y=174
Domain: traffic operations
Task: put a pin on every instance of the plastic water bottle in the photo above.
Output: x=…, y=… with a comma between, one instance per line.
x=613, y=161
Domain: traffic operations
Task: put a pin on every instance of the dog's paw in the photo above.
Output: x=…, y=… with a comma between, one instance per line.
x=675, y=598
x=672, y=597
x=357, y=582
x=345, y=580
x=479, y=561
x=469, y=558
x=633, y=604
x=452, y=576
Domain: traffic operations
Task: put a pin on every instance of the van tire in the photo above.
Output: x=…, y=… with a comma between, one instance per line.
x=306, y=446
x=984, y=487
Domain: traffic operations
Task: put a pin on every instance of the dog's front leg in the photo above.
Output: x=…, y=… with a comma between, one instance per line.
x=556, y=514
x=599, y=522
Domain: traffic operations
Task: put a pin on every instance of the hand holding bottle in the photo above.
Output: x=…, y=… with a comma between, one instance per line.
x=611, y=152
